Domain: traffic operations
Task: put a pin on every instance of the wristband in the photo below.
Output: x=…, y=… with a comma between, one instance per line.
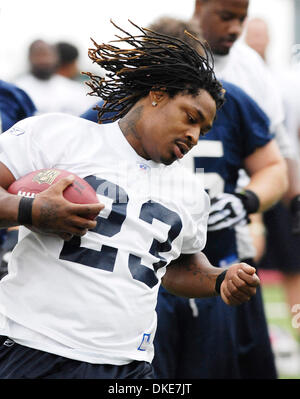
x=25, y=211
x=219, y=281
x=250, y=200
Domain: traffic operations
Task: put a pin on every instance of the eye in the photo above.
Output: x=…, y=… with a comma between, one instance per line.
x=226, y=16
x=204, y=131
x=191, y=119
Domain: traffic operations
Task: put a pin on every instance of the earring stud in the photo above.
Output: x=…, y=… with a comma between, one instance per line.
x=154, y=103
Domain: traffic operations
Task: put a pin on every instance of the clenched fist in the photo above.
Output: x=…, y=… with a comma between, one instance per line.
x=239, y=284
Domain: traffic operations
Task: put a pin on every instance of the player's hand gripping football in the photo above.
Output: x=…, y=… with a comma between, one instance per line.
x=52, y=213
x=239, y=284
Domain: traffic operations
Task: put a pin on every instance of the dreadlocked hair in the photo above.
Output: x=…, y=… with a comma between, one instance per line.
x=154, y=62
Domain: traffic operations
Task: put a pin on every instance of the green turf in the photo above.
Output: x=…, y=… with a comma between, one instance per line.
x=274, y=299
x=274, y=294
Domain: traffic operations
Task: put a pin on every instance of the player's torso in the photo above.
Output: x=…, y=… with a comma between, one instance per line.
x=80, y=292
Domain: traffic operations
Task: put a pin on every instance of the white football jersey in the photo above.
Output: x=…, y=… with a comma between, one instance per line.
x=93, y=298
x=57, y=94
x=289, y=83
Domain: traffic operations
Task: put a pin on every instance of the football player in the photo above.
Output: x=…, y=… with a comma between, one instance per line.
x=240, y=138
x=84, y=307
x=220, y=342
x=15, y=105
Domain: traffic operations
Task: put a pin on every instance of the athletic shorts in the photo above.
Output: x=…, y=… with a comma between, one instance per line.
x=21, y=362
x=282, y=247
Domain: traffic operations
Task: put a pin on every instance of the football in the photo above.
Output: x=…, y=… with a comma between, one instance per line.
x=79, y=192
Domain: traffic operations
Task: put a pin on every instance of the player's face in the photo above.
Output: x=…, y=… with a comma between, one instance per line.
x=221, y=22
x=43, y=61
x=173, y=127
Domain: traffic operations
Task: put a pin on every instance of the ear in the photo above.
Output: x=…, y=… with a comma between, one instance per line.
x=156, y=96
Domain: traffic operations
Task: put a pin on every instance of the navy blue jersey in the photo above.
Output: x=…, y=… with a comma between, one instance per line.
x=92, y=115
x=15, y=105
x=239, y=129
x=219, y=341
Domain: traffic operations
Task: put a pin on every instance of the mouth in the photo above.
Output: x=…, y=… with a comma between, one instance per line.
x=228, y=42
x=180, y=149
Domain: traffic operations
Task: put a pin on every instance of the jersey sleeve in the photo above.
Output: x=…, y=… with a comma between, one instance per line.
x=15, y=105
x=38, y=142
x=196, y=234
x=196, y=216
x=92, y=114
x=252, y=125
x=247, y=70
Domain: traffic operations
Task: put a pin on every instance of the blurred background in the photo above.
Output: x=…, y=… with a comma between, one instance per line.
x=22, y=22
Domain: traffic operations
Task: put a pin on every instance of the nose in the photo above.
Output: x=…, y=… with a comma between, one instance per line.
x=235, y=28
x=192, y=136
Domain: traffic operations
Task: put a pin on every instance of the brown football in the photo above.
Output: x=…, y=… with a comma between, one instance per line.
x=79, y=192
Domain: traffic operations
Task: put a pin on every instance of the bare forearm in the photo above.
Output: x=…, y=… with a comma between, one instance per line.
x=269, y=184
x=9, y=204
x=191, y=276
x=268, y=172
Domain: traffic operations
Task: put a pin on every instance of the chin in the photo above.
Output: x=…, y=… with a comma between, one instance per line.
x=168, y=161
x=167, y=158
x=221, y=50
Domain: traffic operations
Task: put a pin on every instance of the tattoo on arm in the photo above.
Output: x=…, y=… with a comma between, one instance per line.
x=197, y=271
x=47, y=213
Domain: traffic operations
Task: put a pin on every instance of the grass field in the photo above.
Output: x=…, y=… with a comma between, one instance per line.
x=283, y=335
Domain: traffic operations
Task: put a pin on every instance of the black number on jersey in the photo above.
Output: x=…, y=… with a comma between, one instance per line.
x=105, y=257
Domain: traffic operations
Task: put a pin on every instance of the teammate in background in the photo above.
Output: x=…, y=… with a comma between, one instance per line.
x=68, y=56
x=49, y=91
x=282, y=246
x=234, y=141
x=221, y=23
x=218, y=342
x=65, y=305
x=15, y=105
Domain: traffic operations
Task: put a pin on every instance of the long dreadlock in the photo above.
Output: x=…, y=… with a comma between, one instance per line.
x=154, y=62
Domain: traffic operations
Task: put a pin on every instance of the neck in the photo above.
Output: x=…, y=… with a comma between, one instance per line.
x=129, y=127
x=128, y=123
